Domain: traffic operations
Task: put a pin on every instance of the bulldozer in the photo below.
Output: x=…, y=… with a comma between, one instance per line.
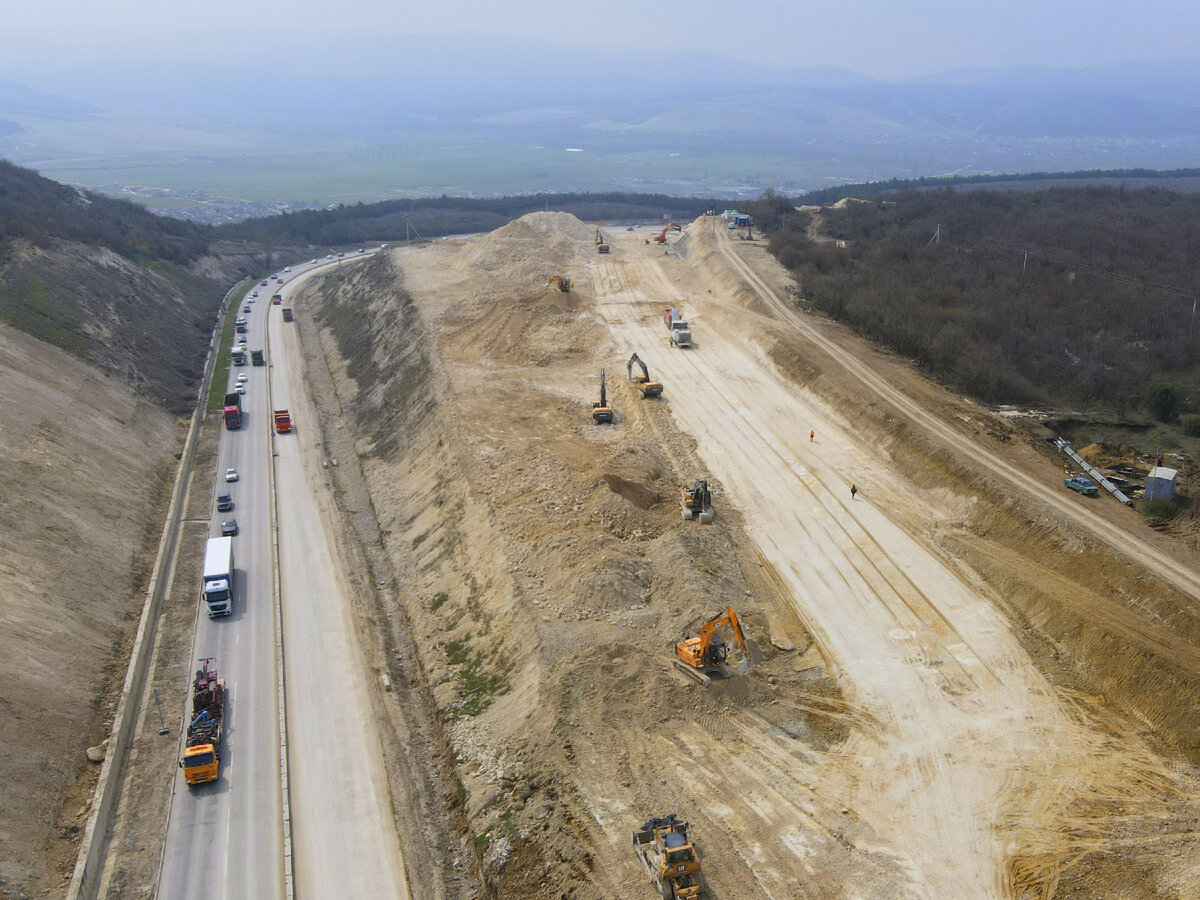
x=696, y=502
x=645, y=386
x=665, y=849
x=602, y=413
x=601, y=243
x=707, y=656
x=564, y=284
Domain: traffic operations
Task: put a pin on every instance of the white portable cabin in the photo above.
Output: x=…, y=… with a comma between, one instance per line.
x=1160, y=483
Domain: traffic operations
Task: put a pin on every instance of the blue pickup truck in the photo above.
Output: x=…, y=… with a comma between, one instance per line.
x=1082, y=485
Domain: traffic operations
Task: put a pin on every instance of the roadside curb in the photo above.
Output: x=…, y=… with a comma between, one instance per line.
x=289, y=876
x=89, y=863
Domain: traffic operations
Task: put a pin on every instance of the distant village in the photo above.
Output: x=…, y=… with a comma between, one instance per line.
x=203, y=206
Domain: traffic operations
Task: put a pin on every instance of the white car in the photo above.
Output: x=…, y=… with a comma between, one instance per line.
x=312, y=262
x=253, y=294
x=239, y=388
x=241, y=339
x=287, y=268
x=231, y=475
x=361, y=250
x=241, y=379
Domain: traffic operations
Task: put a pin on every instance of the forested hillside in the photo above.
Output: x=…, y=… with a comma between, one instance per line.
x=129, y=292
x=1081, y=297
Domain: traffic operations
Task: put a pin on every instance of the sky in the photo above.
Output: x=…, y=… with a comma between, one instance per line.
x=889, y=39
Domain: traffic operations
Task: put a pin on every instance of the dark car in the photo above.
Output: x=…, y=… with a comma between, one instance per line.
x=224, y=502
x=229, y=528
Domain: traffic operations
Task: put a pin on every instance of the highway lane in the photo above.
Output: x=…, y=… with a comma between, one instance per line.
x=344, y=831
x=224, y=839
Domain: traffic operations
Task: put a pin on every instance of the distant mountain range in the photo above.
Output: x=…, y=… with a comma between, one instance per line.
x=501, y=106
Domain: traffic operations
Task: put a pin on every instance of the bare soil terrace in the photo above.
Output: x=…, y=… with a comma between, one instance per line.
x=960, y=691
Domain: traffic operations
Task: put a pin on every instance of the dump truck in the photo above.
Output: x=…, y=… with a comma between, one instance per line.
x=644, y=385
x=201, y=760
x=283, y=421
x=665, y=849
x=287, y=314
x=233, y=411
x=276, y=299
x=681, y=335
x=217, y=588
x=257, y=358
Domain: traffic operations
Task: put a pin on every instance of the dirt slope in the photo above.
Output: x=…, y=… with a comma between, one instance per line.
x=82, y=464
x=943, y=735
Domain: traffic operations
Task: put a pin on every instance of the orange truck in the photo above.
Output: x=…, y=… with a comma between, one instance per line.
x=201, y=761
x=283, y=421
x=277, y=299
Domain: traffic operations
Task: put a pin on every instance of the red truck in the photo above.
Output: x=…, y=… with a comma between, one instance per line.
x=233, y=411
x=283, y=421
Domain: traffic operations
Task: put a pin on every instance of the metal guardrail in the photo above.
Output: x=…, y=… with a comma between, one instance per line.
x=1065, y=446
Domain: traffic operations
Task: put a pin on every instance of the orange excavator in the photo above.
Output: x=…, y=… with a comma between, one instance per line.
x=708, y=655
x=661, y=237
x=564, y=284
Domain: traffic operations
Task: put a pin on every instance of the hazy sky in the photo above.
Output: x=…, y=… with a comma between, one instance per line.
x=885, y=38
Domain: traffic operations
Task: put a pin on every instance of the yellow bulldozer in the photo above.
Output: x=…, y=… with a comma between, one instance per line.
x=564, y=284
x=664, y=847
x=695, y=502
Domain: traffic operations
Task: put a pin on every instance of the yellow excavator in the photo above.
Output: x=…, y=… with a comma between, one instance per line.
x=696, y=502
x=645, y=386
x=602, y=413
x=564, y=284
x=708, y=655
x=601, y=243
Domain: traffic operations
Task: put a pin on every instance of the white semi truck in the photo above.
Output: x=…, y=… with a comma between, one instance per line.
x=681, y=335
x=217, y=592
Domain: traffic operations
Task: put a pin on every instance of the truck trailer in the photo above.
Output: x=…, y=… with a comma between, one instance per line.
x=233, y=411
x=217, y=590
x=257, y=358
x=201, y=760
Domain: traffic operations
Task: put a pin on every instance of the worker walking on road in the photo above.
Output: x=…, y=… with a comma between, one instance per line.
x=853, y=491
x=812, y=433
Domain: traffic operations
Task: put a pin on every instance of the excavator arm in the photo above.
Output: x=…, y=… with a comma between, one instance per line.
x=708, y=652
